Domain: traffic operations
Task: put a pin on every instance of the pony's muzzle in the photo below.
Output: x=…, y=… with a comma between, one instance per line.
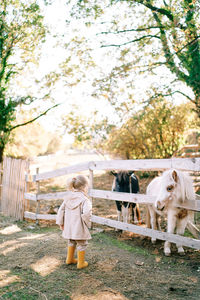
x=159, y=205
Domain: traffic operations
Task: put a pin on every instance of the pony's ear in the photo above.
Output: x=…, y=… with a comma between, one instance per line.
x=175, y=176
x=113, y=173
x=130, y=173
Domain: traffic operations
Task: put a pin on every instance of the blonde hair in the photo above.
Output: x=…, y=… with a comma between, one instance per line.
x=79, y=182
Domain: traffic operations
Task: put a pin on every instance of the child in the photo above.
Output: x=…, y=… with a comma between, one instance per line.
x=74, y=218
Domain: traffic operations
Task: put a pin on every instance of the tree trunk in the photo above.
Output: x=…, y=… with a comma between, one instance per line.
x=197, y=103
x=1, y=153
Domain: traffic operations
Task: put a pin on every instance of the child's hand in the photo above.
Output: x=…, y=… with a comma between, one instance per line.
x=61, y=227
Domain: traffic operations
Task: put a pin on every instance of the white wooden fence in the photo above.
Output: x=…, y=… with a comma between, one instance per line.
x=184, y=164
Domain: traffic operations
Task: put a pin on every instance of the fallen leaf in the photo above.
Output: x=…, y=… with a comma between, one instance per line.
x=139, y=263
x=158, y=259
x=193, y=279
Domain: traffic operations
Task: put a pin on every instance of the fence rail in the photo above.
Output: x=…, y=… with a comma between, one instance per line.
x=190, y=164
x=184, y=164
x=174, y=238
x=187, y=164
x=125, y=197
x=59, y=172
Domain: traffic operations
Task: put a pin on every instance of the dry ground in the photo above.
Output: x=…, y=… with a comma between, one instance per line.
x=121, y=266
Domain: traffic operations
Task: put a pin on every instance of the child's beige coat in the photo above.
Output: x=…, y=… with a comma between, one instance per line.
x=75, y=213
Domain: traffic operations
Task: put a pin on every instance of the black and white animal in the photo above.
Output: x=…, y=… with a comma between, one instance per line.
x=172, y=188
x=126, y=182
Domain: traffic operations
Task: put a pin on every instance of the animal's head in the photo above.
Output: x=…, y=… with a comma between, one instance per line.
x=120, y=173
x=174, y=187
x=122, y=181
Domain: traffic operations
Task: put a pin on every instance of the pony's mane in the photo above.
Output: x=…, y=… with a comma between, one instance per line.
x=185, y=182
x=123, y=175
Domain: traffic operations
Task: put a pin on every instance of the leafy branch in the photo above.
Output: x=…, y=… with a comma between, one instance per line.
x=34, y=119
x=130, y=42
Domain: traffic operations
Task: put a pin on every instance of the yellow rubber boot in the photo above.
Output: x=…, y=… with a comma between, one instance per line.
x=81, y=260
x=70, y=255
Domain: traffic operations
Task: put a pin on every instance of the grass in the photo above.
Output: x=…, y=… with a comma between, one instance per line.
x=111, y=241
x=128, y=245
x=34, y=292
x=109, y=254
x=101, y=275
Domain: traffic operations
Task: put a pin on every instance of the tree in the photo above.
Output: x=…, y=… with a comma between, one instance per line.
x=21, y=33
x=156, y=132
x=31, y=140
x=87, y=132
x=148, y=36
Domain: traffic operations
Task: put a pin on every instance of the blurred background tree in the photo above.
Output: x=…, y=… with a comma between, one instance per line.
x=149, y=64
x=157, y=131
x=32, y=140
x=137, y=59
x=88, y=132
x=21, y=34
x=157, y=39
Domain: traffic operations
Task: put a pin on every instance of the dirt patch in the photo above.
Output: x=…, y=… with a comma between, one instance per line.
x=121, y=266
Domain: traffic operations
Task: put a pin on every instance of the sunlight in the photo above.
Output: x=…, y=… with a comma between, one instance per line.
x=107, y=265
x=10, y=230
x=46, y=265
x=113, y=216
x=112, y=295
x=13, y=248
x=33, y=236
x=5, y=279
x=8, y=243
x=82, y=292
x=12, y=245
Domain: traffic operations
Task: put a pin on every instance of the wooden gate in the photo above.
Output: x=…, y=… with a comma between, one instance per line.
x=13, y=187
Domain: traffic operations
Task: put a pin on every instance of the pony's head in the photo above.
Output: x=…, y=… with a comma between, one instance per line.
x=174, y=187
x=122, y=181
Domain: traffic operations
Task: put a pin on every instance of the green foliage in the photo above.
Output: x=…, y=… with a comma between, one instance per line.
x=21, y=31
x=87, y=132
x=156, y=132
x=110, y=241
x=158, y=38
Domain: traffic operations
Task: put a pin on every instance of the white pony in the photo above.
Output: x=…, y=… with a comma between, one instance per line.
x=171, y=189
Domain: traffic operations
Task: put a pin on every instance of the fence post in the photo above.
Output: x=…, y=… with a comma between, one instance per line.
x=27, y=186
x=38, y=201
x=91, y=182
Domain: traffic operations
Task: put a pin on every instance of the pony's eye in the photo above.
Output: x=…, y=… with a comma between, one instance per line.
x=170, y=188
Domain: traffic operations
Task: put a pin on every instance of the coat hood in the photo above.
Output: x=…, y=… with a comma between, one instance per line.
x=73, y=200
